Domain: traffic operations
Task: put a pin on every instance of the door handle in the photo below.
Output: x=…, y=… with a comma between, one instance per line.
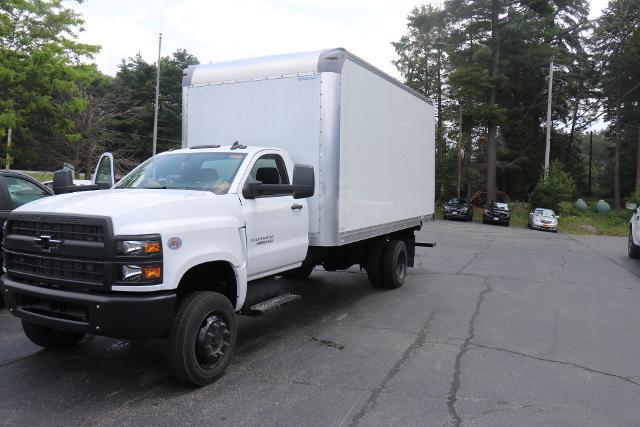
x=296, y=207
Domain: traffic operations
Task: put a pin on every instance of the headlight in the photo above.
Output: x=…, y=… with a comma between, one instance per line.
x=139, y=247
x=138, y=260
x=132, y=273
x=486, y=212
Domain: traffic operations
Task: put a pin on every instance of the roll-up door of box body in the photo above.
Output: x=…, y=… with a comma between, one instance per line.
x=274, y=112
x=387, y=152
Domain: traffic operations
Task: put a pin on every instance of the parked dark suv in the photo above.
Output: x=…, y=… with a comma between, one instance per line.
x=458, y=209
x=496, y=213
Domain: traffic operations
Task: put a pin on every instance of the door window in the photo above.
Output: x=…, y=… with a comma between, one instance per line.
x=270, y=169
x=22, y=191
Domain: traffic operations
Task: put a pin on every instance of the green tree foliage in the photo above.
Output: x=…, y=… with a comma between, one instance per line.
x=495, y=57
x=557, y=187
x=616, y=53
x=40, y=72
x=135, y=81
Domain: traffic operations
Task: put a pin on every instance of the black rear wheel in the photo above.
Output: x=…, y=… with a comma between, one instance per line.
x=202, y=337
x=300, y=273
x=394, y=264
x=50, y=338
x=374, y=263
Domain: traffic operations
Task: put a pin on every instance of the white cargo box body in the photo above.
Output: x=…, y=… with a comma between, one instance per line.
x=369, y=138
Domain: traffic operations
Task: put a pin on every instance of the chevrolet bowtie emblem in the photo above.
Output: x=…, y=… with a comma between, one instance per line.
x=46, y=243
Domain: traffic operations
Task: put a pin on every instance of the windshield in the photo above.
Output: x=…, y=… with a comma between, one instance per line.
x=545, y=213
x=187, y=171
x=456, y=202
x=501, y=206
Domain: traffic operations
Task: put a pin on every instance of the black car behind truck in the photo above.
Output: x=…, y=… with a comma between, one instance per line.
x=497, y=213
x=456, y=208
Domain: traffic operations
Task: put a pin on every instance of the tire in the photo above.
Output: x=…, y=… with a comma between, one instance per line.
x=50, y=338
x=394, y=264
x=202, y=338
x=633, y=249
x=300, y=273
x=374, y=263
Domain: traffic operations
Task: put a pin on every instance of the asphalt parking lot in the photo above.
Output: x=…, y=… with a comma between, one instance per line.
x=495, y=326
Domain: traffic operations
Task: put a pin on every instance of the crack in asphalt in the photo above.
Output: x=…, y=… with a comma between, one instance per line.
x=455, y=382
x=475, y=256
x=417, y=343
x=560, y=362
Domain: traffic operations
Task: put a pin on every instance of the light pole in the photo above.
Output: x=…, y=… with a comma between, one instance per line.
x=547, y=147
x=155, y=113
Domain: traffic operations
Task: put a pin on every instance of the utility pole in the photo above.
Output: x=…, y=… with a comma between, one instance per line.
x=590, y=158
x=459, y=159
x=155, y=113
x=8, y=158
x=547, y=147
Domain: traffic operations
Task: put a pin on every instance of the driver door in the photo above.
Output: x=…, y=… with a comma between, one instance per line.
x=276, y=224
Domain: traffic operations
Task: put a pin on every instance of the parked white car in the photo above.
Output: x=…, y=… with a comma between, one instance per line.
x=633, y=246
x=543, y=219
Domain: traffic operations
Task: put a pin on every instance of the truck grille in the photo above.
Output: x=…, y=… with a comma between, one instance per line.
x=69, y=251
x=81, y=232
x=85, y=272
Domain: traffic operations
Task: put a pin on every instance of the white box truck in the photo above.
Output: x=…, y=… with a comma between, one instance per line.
x=288, y=162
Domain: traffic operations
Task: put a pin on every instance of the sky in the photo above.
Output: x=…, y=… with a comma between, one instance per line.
x=222, y=30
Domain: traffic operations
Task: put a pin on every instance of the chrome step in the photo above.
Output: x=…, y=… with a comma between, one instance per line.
x=274, y=303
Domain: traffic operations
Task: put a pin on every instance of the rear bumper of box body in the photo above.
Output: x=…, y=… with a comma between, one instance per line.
x=135, y=316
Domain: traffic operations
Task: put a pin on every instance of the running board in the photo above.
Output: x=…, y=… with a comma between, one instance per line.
x=270, y=304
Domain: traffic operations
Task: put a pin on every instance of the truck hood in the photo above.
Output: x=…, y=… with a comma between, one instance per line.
x=138, y=211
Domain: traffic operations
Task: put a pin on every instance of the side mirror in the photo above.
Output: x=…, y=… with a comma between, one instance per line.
x=557, y=216
x=251, y=188
x=304, y=181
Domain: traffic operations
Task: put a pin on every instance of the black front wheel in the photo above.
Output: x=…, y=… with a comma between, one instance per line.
x=202, y=337
x=50, y=338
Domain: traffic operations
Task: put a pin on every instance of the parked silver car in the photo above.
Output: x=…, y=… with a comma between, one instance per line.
x=543, y=219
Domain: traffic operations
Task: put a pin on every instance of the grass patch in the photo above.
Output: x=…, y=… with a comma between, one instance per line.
x=572, y=221
x=40, y=176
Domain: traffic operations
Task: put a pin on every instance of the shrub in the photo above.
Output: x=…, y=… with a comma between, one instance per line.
x=635, y=196
x=558, y=186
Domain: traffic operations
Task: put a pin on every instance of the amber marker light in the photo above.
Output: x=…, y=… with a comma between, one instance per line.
x=151, y=247
x=153, y=272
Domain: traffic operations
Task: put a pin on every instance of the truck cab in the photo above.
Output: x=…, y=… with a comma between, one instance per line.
x=120, y=262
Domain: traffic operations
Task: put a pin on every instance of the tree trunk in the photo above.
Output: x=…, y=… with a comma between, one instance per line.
x=492, y=125
x=616, y=159
x=574, y=119
x=638, y=159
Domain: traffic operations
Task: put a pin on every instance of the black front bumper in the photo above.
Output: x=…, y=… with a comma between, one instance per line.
x=458, y=215
x=500, y=219
x=112, y=314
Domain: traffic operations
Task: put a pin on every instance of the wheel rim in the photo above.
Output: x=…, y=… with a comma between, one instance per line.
x=401, y=266
x=212, y=341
